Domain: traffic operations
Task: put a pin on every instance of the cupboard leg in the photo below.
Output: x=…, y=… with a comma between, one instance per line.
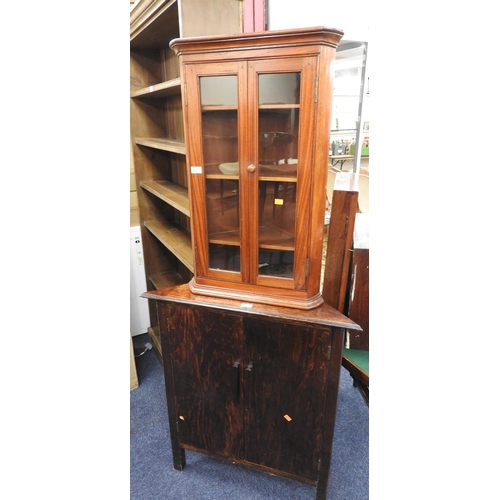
x=321, y=492
x=332, y=392
x=179, y=455
x=322, y=487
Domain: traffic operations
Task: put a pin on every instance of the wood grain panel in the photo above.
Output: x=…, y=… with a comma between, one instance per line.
x=339, y=246
x=159, y=90
x=285, y=395
x=171, y=145
x=171, y=193
x=358, y=301
x=206, y=351
x=176, y=240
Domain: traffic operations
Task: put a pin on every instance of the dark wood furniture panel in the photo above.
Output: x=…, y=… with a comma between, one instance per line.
x=253, y=383
x=206, y=350
x=285, y=357
x=358, y=298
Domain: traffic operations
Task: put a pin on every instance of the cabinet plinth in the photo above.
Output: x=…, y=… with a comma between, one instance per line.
x=253, y=383
x=257, y=128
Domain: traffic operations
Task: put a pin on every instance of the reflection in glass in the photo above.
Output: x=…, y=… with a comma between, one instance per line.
x=279, y=88
x=279, y=98
x=277, y=203
x=224, y=257
x=221, y=169
x=219, y=90
x=276, y=263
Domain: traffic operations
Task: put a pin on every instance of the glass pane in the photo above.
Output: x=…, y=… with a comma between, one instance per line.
x=219, y=90
x=279, y=88
x=276, y=263
x=277, y=201
x=220, y=155
x=278, y=161
x=224, y=257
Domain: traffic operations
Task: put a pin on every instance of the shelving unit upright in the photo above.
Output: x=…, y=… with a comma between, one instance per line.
x=157, y=132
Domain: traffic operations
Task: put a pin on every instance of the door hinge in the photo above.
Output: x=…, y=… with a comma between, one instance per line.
x=185, y=94
x=319, y=464
x=307, y=267
x=316, y=91
x=329, y=352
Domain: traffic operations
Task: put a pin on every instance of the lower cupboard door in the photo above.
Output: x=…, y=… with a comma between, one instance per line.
x=285, y=383
x=206, y=351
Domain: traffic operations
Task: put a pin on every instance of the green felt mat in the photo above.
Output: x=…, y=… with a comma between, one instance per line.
x=359, y=358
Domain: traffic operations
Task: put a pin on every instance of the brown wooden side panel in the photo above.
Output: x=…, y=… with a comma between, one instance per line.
x=359, y=298
x=285, y=380
x=206, y=353
x=340, y=236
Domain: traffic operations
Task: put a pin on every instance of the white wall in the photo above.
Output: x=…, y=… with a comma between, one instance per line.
x=350, y=16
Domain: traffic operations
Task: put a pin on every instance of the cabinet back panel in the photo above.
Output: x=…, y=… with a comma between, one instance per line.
x=178, y=169
x=145, y=68
x=174, y=119
x=170, y=65
x=148, y=118
x=160, y=258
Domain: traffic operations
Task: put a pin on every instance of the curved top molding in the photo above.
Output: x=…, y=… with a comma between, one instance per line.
x=256, y=40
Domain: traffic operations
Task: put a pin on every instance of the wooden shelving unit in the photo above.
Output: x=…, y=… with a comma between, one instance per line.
x=157, y=131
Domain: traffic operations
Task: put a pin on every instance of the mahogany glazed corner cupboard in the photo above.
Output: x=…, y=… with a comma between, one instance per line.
x=251, y=354
x=257, y=109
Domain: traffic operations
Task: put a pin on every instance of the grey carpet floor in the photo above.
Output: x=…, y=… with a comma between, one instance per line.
x=152, y=476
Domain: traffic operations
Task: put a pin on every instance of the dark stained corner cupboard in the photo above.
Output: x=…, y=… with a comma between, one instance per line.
x=257, y=110
x=254, y=383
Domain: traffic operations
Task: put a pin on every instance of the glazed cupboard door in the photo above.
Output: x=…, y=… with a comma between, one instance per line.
x=205, y=351
x=250, y=130
x=216, y=98
x=282, y=94
x=285, y=386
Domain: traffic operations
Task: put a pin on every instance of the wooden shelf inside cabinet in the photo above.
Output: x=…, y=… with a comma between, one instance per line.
x=177, y=240
x=231, y=238
x=160, y=90
x=166, y=280
x=278, y=178
x=270, y=238
x=274, y=238
x=171, y=145
x=175, y=195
